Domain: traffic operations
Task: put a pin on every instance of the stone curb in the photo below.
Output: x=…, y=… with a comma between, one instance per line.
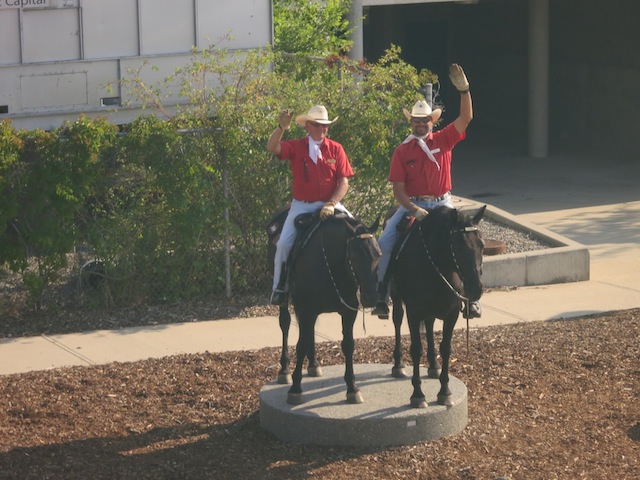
x=566, y=261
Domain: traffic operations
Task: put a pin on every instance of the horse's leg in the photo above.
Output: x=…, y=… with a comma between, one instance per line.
x=444, y=395
x=432, y=359
x=284, y=377
x=305, y=343
x=314, y=369
x=417, y=398
x=398, y=370
x=348, y=346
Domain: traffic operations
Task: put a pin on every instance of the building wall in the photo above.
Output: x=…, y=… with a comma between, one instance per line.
x=594, y=64
x=59, y=56
x=595, y=73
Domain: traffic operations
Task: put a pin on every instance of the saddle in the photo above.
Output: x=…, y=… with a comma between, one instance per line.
x=306, y=224
x=404, y=225
x=404, y=228
x=303, y=223
x=274, y=227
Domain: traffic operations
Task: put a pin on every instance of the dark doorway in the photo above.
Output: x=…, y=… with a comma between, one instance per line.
x=488, y=39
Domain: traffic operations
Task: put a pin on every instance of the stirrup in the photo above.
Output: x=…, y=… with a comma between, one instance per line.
x=278, y=297
x=381, y=309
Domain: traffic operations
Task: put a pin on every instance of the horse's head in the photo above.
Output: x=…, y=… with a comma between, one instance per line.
x=467, y=247
x=364, y=254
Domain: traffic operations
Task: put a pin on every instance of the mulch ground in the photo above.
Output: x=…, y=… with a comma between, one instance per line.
x=547, y=400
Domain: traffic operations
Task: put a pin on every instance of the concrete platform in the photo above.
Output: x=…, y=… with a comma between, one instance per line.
x=384, y=419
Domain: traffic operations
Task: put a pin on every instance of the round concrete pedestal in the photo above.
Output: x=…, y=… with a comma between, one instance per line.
x=384, y=419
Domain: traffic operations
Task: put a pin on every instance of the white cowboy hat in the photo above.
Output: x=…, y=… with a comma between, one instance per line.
x=317, y=113
x=422, y=109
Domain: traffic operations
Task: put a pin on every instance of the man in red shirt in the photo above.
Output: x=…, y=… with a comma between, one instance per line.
x=420, y=173
x=320, y=170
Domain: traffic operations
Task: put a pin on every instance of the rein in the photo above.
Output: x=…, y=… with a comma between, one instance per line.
x=353, y=273
x=455, y=262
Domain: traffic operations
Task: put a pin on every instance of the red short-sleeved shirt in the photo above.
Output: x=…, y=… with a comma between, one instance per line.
x=315, y=182
x=411, y=165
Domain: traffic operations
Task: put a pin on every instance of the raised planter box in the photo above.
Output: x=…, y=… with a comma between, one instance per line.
x=564, y=261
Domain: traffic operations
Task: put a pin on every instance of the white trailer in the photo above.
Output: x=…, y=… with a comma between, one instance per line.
x=58, y=56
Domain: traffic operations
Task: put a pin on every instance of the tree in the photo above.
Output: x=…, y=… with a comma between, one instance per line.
x=317, y=28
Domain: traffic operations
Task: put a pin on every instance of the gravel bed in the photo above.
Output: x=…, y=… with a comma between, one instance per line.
x=515, y=240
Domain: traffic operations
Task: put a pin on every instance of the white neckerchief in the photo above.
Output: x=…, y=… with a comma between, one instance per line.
x=423, y=146
x=314, y=150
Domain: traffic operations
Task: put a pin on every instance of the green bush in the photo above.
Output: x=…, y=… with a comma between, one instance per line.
x=47, y=179
x=176, y=209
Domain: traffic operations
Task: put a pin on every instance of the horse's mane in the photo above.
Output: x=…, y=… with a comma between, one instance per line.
x=311, y=225
x=439, y=216
x=355, y=222
x=438, y=223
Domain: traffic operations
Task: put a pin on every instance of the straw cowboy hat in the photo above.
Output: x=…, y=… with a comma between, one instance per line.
x=317, y=113
x=422, y=109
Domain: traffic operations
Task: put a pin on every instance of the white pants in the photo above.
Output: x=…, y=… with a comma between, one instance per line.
x=390, y=234
x=290, y=232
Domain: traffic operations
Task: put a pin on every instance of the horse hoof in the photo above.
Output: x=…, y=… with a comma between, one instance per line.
x=433, y=373
x=294, y=398
x=314, y=371
x=354, y=398
x=285, y=379
x=398, y=372
x=445, y=400
x=418, y=403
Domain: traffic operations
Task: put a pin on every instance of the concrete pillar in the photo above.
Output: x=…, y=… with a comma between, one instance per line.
x=355, y=20
x=538, y=78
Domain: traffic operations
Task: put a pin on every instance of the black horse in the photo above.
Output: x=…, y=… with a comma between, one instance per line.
x=334, y=261
x=284, y=316
x=436, y=268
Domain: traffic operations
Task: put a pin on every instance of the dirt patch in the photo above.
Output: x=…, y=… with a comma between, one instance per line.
x=547, y=400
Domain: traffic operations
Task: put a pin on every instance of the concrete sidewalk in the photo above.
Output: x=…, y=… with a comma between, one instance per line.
x=539, y=192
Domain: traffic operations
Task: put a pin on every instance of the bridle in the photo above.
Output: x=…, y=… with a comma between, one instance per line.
x=362, y=236
x=462, y=230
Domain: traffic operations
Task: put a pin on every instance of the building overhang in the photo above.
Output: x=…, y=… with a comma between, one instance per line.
x=377, y=3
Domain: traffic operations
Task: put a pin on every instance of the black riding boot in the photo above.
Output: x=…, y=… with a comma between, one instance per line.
x=279, y=295
x=381, y=308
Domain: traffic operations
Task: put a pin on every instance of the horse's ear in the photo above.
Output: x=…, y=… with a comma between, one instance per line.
x=454, y=215
x=478, y=216
x=374, y=228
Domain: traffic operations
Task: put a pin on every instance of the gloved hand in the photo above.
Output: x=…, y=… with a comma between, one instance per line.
x=328, y=209
x=285, y=119
x=458, y=78
x=419, y=213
